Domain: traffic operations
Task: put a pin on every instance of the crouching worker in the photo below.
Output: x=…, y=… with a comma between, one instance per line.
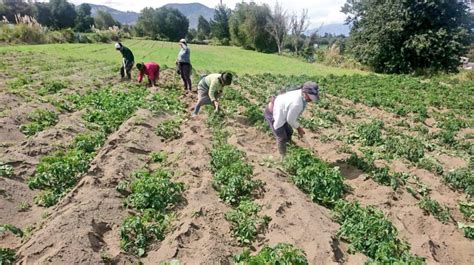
x=282, y=113
x=209, y=88
x=151, y=70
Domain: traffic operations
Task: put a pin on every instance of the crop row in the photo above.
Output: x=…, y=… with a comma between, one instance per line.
x=365, y=228
x=233, y=181
x=153, y=197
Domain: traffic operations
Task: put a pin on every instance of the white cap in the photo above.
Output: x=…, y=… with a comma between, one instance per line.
x=118, y=46
x=182, y=40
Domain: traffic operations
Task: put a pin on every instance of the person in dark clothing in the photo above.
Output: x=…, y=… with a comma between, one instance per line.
x=183, y=62
x=127, y=61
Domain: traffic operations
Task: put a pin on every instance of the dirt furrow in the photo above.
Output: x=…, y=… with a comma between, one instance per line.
x=84, y=224
x=201, y=234
x=295, y=218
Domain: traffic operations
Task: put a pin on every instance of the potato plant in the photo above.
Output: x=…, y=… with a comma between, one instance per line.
x=430, y=206
x=246, y=223
x=367, y=230
x=6, y=170
x=57, y=173
x=282, y=253
x=323, y=183
x=461, y=179
x=13, y=229
x=153, y=196
x=40, y=119
x=169, y=129
x=7, y=256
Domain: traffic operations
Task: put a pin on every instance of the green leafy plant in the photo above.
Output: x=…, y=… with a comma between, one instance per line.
x=7, y=256
x=137, y=231
x=24, y=206
x=461, y=179
x=467, y=229
x=6, y=170
x=39, y=120
x=169, y=129
x=153, y=194
x=88, y=142
x=56, y=174
x=367, y=230
x=52, y=86
x=158, y=157
x=154, y=190
x=282, y=253
x=467, y=209
x=430, y=206
x=246, y=223
x=405, y=146
x=8, y=227
x=431, y=164
x=323, y=183
x=370, y=133
x=109, y=108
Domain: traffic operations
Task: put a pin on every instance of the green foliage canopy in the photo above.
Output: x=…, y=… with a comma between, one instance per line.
x=408, y=36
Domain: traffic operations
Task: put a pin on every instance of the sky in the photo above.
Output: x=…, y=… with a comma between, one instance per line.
x=320, y=11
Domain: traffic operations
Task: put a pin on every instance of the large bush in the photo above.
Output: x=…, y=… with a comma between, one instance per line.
x=409, y=36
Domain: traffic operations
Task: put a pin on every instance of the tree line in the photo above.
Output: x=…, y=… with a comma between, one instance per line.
x=386, y=36
x=57, y=14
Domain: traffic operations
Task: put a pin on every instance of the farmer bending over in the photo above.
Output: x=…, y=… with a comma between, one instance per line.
x=283, y=111
x=183, y=62
x=209, y=88
x=127, y=60
x=151, y=69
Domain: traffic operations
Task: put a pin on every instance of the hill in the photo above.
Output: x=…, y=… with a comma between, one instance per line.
x=192, y=11
x=334, y=28
x=127, y=17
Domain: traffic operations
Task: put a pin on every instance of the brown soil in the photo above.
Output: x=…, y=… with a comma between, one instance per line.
x=83, y=227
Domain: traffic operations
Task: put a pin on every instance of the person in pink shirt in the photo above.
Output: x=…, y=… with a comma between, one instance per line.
x=151, y=69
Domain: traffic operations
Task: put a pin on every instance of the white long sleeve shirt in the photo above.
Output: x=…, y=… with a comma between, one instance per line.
x=287, y=108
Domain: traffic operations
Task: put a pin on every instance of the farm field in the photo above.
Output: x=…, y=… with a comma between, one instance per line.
x=94, y=170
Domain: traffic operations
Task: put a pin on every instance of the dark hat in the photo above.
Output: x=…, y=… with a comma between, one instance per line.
x=140, y=66
x=312, y=89
x=226, y=78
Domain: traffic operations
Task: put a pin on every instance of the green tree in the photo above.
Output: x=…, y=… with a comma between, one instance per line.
x=104, y=20
x=62, y=13
x=408, y=36
x=10, y=8
x=203, y=28
x=248, y=25
x=84, y=21
x=220, y=24
x=162, y=23
x=42, y=13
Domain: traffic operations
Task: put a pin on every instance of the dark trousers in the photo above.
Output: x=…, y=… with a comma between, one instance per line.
x=282, y=134
x=126, y=68
x=185, y=71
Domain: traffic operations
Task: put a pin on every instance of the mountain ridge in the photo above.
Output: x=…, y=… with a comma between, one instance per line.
x=192, y=11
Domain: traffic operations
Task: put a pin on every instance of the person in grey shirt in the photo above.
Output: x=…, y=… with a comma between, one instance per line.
x=183, y=62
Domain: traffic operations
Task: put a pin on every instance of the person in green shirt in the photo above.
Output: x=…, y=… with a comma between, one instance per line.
x=127, y=61
x=209, y=88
